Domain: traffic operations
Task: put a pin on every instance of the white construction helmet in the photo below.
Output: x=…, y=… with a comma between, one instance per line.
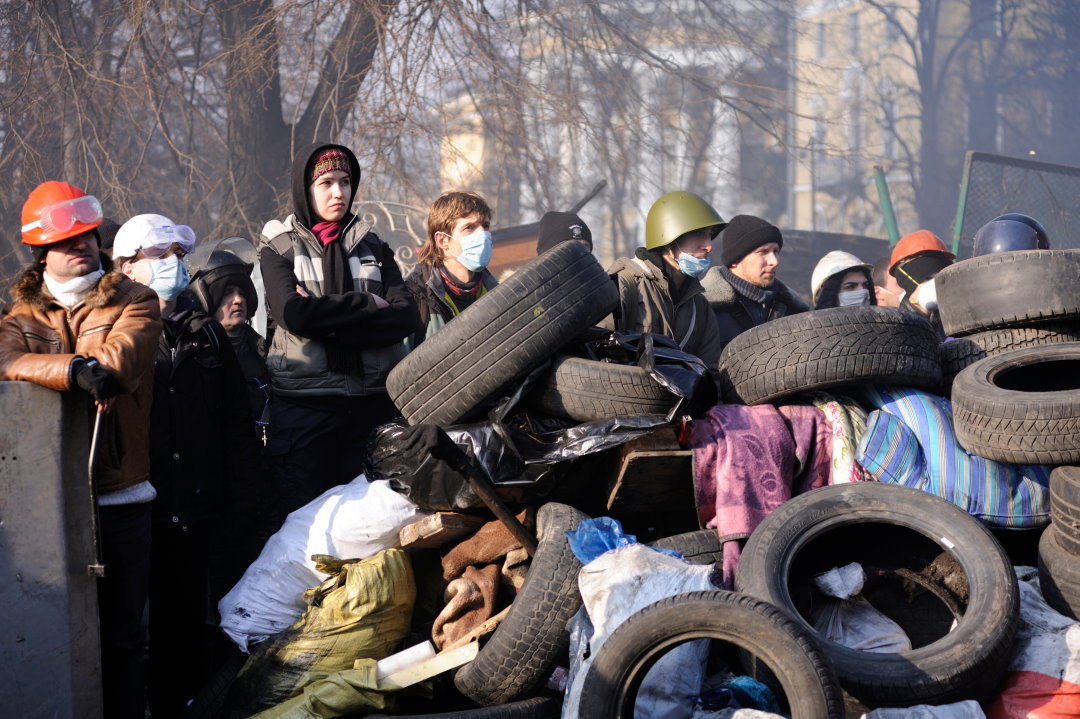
x=834, y=262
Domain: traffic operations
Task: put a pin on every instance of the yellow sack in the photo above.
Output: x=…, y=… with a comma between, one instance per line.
x=362, y=611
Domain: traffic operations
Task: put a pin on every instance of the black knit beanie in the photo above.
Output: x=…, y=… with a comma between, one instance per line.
x=556, y=227
x=743, y=235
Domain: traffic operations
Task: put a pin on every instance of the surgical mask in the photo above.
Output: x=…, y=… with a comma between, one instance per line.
x=475, y=250
x=168, y=277
x=852, y=298
x=692, y=266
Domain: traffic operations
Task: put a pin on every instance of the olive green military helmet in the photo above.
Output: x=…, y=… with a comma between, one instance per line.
x=677, y=213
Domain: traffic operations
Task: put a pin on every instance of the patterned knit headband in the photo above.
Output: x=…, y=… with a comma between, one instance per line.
x=328, y=161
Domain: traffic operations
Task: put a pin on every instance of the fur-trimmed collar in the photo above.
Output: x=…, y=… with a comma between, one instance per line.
x=30, y=287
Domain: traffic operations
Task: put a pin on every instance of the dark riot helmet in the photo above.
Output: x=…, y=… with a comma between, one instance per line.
x=217, y=265
x=1009, y=232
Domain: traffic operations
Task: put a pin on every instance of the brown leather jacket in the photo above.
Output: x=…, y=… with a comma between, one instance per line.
x=117, y=323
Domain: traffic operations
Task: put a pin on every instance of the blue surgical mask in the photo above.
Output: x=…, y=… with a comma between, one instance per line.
x=475, y=250
x=692, y=266
x=168, y=277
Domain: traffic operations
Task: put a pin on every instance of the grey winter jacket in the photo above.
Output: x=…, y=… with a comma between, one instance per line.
x=291, y=255
x=738, y=305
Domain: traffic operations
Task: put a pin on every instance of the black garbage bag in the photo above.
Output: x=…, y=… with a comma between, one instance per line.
x=515, y=455
x=403, y=455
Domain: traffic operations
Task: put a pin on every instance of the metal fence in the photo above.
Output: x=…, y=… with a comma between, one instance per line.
x=995, y=184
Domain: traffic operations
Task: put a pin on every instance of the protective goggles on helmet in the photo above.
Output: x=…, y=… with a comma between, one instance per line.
x=160, y=239
x=62, y=216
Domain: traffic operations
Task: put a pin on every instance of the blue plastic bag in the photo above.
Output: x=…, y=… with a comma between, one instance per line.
x=593, y=537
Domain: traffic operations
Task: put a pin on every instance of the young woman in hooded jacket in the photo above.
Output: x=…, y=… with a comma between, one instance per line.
x=338, y=312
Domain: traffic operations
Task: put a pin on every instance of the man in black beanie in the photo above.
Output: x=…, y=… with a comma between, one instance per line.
x=744, y=291
x=559, y=227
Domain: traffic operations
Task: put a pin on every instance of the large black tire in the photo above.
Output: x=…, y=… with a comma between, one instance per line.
x=809, y=686
x=1021, y=406
x=702, y=546
x=534, y=636
x=586, y=390
x=961, y=352
x=502, y=336
x=532, y=708
x=1008, y=289
x=830, y=348
x=934, y=544
x=1065, y=507
x=1059, y=574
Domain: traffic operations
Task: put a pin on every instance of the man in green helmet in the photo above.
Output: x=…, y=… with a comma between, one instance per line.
x=659, y=291
x=744, y=291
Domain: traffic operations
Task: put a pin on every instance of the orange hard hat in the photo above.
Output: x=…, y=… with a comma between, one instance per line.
x=916, y=243
x=56, y=211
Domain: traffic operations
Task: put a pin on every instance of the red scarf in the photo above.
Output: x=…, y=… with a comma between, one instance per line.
x=327, y=232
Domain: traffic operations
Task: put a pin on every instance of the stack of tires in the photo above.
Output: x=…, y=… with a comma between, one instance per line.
x=519, y=325
x=1016, y=386
x=1006, y=301
x=503, y=336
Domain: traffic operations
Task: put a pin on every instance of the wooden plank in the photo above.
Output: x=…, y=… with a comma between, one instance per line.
x=653, y=481
x=438, y=529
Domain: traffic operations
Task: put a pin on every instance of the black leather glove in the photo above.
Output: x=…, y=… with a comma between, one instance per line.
x=89, y=375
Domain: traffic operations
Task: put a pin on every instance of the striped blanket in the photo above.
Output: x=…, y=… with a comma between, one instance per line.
x=909, y=440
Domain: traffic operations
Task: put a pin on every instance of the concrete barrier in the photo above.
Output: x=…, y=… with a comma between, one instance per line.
x=49, y=646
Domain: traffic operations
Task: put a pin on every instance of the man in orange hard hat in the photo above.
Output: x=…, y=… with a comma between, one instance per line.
x=915, y=260
x=78, y=324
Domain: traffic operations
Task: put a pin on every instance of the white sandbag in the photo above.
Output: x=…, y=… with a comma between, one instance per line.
x=616, y=585
x=969, y=709
x=848, y=619
x=350, y=521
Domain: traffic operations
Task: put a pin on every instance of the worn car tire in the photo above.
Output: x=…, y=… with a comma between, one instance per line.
x=1008, y=289
x=532, y=708
x=961, y=352
x=761, y=630
x=526, y=646
x=503, y=335
x=1065, y=507
x=702, y=546
x=1059, y=574
x=585, y=390
x=830, y=348
x=1021, y=406
x=835, y=525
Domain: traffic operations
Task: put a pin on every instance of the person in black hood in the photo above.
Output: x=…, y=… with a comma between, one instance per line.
x=338, y=312
x=224, y=290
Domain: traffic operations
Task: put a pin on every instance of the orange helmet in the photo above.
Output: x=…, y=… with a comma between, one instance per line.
x=916, y=243
x=56, y=211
